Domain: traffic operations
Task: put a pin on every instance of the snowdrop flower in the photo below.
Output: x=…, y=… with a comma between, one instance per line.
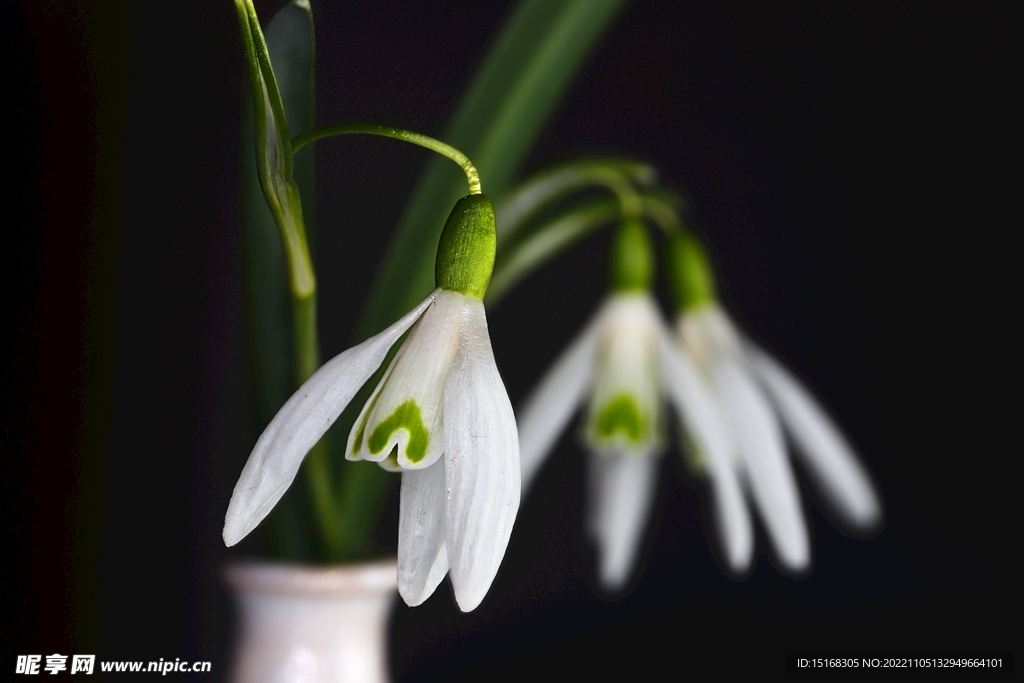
x=623, y=364
x=755, y=394
x=440, y=416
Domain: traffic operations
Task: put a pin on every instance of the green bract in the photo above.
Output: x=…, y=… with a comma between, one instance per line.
x=632, y=262
x=690, y=274
x=465, y=253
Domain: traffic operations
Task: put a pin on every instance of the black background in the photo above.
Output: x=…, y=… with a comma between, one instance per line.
x=850, y=165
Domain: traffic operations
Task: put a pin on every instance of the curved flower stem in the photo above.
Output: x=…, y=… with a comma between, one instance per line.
x=517, y=208
x=547, y=241
x=663, y=208
x=625, y=193
x=434, y=145
x=519, y=255
x=513, y=265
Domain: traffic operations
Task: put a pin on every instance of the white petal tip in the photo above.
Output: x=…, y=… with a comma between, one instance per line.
x=868, y=518
x=469, y=600
x=795, y=560
x=414, y=599
x=738, y=568
x=847, y=489
x=613, y=579
x=859, y=513
x=234, y=532
x=738, y=561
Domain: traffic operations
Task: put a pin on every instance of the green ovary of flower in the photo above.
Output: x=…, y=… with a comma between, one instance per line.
x=621, y=415
x=408, y=417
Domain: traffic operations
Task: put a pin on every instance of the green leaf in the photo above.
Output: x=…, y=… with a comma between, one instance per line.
x=268, y=305
x=291, y=42
x=273, y=143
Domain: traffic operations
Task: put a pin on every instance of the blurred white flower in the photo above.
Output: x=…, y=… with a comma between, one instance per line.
x=741, y=375
x=624, y=363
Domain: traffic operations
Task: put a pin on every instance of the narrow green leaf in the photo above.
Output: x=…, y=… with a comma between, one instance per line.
x=269, y=319
x=273, y=148
x=291, y=42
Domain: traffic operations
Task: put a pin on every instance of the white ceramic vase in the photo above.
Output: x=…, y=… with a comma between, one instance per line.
x=312, y=624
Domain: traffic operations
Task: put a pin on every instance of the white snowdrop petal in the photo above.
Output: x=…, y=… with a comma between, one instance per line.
x=623, y=488
x=770, y=476
x=700, y=415
x=707, y=332
x=732, y=518
x=354, y=451
x=553, y=402
x=481, y=463
x=406, y=411
x=422, y=561
x=300, y=423
x=625, y=406
x=821, y=445
x=696, y=405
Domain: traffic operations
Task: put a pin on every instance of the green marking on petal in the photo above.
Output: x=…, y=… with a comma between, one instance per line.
x=408, y=417
x=620, y=415
x=357, y=443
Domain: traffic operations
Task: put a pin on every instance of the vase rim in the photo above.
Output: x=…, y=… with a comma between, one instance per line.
x=364, y=578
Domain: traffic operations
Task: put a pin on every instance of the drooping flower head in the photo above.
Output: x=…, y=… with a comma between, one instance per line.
x=755, y=392
x=624, y=412
x=622, y=367
x=440, y=415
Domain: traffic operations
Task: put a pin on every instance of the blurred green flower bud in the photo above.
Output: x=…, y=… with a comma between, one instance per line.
x=632, y=260
x=690, y=276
